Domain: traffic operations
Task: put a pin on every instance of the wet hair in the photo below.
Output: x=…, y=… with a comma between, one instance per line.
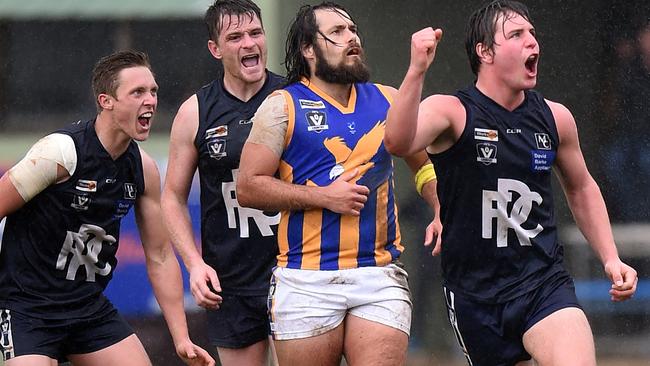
x=220, y=8
x=302, y=33
x=482, y=26
x=107, y=70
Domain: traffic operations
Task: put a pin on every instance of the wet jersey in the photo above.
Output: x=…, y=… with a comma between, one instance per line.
x=323, y=140
x=238, y=242
x=494, y=185
x=58, y=250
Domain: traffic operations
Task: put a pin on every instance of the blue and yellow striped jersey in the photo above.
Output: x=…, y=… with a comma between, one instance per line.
x=323, y=140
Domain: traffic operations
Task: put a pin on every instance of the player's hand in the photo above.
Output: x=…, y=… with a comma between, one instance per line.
x=344, y=196
x=624, y=280
x=423, y=48
x=205, y=285
x=434, y=234
x=194, y=355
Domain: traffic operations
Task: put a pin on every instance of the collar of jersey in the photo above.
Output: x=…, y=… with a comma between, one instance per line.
x=352, y=101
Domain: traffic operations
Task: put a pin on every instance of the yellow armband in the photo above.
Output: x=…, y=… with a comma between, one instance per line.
x=424, y=175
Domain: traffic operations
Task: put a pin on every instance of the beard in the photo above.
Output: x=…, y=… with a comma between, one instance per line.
x=341, y=73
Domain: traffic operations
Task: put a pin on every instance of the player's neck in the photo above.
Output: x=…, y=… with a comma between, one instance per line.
x=241, y=89
x=113, y=139
x=501, y=93
x=339, y=92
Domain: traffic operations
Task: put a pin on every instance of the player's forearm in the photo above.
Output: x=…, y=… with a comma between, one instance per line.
x=272, y=194
x=177, y=220
x=590, y=213
x=166, y=280
x=401, y=121
x=430, y=196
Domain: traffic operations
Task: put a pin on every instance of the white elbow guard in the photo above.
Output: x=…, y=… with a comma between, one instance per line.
x=38, y=169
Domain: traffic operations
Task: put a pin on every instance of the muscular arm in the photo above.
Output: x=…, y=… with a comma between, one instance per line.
x=258, y=187
x=162, y=266
x=182, y=163
x=587, y=204
x=411, y=126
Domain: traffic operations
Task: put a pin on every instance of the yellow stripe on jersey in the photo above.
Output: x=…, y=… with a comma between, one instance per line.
x=381, y=234
x=311, y=229
x=283, y=244
x=349, y=241
x=384, y=90
x=291, y=113
x=286, y=174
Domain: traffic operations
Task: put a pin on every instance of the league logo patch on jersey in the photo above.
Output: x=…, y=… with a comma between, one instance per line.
x=486, y=134
x=487, y=153
x=543, y=141
x=311, y=104
x=85, y=185
x=217, y=148
x=130, y=191
x=80, y=202
x=317, y=121
x=219, y=131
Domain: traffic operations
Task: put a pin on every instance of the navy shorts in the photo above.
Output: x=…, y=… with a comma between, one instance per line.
x=56, y=338
x=492, y=334
x=239, y=322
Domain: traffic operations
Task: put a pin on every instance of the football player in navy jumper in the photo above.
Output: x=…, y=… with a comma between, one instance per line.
x=238, y=244
x=494, y=145
x=64, y=202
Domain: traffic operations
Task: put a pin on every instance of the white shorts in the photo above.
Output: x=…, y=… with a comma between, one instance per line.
x=307, y=303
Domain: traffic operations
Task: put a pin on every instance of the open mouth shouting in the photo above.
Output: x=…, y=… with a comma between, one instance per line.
x=250, y=60
x=144, y=120
x=531, y=64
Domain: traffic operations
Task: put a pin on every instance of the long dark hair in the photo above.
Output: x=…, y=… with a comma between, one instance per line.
x=482, y=26
x=302, y=33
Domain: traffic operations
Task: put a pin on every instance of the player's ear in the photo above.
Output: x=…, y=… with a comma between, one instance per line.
x=215, y=50
x=484, y=54
x=308, y=51
x=105, y=101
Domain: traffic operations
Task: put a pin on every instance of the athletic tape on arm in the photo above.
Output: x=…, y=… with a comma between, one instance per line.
x=38, y=169
x=270, y=124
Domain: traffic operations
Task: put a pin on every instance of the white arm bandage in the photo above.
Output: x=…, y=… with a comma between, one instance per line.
x=270, y=124
x=38, y=169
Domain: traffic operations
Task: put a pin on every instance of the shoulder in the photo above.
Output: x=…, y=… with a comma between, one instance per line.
x=277, y=102
x=446, y=104
x=186, y=121
x=150, y=171
x=388, y=91
x=564, y=120
x=190, y=106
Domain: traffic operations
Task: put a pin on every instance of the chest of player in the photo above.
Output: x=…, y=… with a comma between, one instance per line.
x=101, y=191
x=220, y=143
x=325, y=140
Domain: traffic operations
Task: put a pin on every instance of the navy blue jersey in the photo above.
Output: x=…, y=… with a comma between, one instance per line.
x=494, y=184
x=238, y=242
x=58, y=250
